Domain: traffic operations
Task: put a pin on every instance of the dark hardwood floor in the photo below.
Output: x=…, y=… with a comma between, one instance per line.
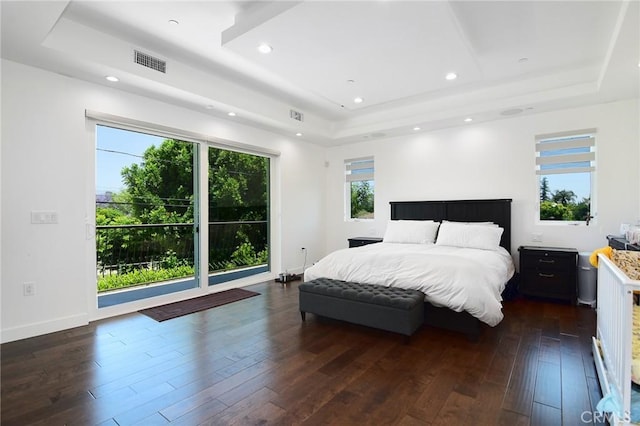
x=255, y=362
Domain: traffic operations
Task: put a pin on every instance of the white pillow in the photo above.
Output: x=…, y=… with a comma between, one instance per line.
x=472, y=223
x=411, y=231
x=470, y=236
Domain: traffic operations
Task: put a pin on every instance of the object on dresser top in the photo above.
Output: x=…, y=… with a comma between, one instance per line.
x=621, y=243
x=549, y=272
x=633, y=234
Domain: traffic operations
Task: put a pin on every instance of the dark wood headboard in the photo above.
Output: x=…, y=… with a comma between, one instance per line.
x=496, y=211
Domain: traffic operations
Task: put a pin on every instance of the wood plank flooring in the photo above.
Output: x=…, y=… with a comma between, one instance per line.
x=254, y=362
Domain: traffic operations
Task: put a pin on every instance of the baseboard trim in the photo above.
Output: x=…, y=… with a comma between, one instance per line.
x=44, y=327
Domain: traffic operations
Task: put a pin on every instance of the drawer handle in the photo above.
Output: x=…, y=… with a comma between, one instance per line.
x=546, y=261
x=546, y=275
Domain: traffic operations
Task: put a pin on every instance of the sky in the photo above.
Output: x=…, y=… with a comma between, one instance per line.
x=577, y=182
x=109, y=164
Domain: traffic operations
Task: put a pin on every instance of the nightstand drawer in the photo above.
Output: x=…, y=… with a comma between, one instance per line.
x=548, y=285
x=546, y=261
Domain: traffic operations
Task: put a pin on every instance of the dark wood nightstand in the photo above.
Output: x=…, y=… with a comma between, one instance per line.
x=549, y=272
x=363, y=241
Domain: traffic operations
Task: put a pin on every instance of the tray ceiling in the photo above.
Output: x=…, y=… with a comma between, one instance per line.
x=531, y=56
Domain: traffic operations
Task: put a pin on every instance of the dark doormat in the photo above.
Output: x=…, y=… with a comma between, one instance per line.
x=189, y=306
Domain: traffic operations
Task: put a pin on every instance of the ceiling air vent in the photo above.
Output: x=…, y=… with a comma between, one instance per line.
x=296, y=115
x=149, y=61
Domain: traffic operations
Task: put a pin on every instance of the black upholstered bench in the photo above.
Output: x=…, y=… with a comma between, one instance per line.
x=387, y=308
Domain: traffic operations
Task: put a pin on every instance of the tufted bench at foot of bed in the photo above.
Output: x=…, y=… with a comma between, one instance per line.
x=387, y=308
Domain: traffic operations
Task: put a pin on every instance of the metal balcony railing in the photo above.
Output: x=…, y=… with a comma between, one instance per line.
x=123, y=249
x=237, y=244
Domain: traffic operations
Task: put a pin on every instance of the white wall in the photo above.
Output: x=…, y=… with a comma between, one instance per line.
x=47, y=164
x=496, y=160
x=47, y=152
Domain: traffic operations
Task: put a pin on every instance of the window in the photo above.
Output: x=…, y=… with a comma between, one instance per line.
x=566, y=165
x=148, y=219
x=360, y=188
x=146, y=206
x=238, y=215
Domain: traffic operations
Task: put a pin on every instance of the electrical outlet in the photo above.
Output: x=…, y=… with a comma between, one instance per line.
x=29, y=289
x=536, y=237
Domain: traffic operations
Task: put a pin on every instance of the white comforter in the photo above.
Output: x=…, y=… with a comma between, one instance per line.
x=458, y=278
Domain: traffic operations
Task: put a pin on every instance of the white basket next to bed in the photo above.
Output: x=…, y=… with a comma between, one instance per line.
x=613, y=348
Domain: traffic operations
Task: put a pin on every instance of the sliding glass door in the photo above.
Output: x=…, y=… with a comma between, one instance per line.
x=148, y=224
x=238, y=215
x=146, y=215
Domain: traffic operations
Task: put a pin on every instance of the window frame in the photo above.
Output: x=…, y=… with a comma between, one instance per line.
x=203, y=141
x=591, y=169
x=364, y=162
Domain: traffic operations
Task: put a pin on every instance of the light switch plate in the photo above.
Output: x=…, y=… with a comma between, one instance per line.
x=44, y=217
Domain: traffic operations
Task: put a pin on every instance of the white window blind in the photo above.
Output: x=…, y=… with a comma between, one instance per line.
x=359, y=169
x=566, y=153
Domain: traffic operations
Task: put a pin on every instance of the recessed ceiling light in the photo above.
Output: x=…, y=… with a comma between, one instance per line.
x=416, y=128
x=231, y=114
x=265, y=48
x=451, y=76
x=112, y=78
x=358, y=100
x=173, y=22
x=298, y=134
x=468, y=120
x=522, y=60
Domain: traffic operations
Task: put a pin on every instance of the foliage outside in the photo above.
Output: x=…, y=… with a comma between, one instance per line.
x=562, y=204
x=159, y=191
x=142, y=276
x=238, y=192
x=362, y=200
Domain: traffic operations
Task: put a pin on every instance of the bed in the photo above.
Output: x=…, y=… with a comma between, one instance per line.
x=484, y=274
x=616, y=347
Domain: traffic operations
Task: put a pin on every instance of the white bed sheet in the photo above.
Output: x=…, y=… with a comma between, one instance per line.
x=458, y=278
